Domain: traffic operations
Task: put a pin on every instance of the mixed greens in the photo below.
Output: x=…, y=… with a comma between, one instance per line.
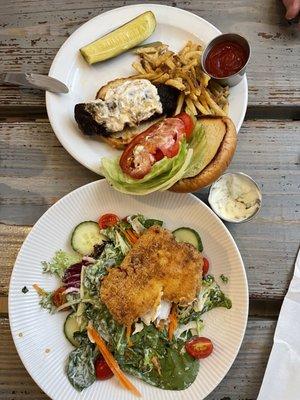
x=149, y=352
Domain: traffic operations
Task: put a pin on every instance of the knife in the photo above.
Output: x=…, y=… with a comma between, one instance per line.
x=35, y=81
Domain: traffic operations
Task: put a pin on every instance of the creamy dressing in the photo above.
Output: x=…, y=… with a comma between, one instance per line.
x=235, y=197
x=127, y=104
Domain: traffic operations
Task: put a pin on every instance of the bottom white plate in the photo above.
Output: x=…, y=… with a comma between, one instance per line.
x=39, y=336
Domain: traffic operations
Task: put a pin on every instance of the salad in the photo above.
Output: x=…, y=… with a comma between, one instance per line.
x=162, y=348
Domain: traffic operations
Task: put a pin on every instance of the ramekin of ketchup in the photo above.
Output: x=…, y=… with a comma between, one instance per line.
x=225, y=58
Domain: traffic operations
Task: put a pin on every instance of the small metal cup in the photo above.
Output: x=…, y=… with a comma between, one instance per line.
x=234, y=79
x=232, y=220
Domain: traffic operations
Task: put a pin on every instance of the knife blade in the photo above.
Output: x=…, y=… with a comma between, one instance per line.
x=36, y=81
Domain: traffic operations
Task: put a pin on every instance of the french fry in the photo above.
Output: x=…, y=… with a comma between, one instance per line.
x=217, y=110
x=200, y=107
x=146, y=65
x=191, y=106
x=138, y=67
x=162, y=78
x=176, y=83
x=170, y=63
x=225, y=108
x=179, y=103
x=182, y=70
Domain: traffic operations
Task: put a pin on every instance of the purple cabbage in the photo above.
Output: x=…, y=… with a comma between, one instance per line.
x=72, y=274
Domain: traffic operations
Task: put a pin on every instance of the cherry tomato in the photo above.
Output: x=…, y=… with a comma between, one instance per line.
x=199, y=347
x=102, y=369
x=158, y=141
x=108, y=220
x=205, y=267
x=58, y=298
x=188, y=123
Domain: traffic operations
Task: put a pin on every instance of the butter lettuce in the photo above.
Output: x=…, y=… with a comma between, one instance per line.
x=162, y=176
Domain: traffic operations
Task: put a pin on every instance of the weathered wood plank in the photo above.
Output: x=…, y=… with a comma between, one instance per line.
x=36, y=171
x=31, y=33
x=242, y=381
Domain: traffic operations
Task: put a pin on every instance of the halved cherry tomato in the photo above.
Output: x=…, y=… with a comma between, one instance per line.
x=199, y=347
x=58, y=298
x=108, y=220
x=158, y=141
x=205, y=267
x=102, y=369
x=188, y=123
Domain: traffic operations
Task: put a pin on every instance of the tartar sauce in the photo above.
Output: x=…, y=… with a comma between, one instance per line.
x=235, y=197
x=130, y=103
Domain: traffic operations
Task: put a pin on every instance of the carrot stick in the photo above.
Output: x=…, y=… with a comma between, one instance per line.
x=173, y=322
x=131, y=236
x=112, y=363
x=38, y=289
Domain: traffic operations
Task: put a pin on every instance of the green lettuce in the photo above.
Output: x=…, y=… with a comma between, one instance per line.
x=60, y=262
x=164, y=174
x=198, y=143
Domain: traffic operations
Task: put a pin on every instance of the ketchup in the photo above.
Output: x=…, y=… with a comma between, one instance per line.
x=225, y=59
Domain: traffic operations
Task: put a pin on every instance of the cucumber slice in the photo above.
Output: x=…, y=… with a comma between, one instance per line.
x=121, y=39
x=85, y=236
x=71, y=326
x=188, y=235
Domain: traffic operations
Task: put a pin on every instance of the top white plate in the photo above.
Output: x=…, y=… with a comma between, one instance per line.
x=39, y=336
x=174, y=27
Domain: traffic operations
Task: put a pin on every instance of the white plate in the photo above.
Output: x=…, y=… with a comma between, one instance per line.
x=175, y=27
x=34, y=330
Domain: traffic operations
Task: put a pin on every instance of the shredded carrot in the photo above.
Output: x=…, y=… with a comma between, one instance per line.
x=172, y=322
x=38, y=289
x=112, y=363
x=131, y=236
x=128, y=334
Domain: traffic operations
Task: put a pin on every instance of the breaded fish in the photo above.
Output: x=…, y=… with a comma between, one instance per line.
x=156, y=268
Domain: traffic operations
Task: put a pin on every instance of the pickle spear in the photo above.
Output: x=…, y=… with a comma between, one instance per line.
x=121, y=39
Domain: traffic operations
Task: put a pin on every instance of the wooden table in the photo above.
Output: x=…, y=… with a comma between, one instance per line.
x=36, y=171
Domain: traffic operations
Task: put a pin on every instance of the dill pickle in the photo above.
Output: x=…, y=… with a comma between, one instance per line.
x=121, y=39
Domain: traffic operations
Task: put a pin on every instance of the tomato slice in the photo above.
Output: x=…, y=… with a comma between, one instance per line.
x=107, y=220
x=102, y=369
x=205, y=267
x=158, y=141
x=58, y=298
x=188, y=123
x=199, y=347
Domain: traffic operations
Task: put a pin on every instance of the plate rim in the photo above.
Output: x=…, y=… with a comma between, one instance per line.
x=26, y=364
x=49, y=96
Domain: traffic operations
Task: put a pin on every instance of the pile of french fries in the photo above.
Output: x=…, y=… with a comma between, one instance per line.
x=182, y=70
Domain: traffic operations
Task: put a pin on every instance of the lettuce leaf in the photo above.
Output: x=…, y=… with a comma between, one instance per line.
x=60, y=262
x=198, y=143
x=163, y=174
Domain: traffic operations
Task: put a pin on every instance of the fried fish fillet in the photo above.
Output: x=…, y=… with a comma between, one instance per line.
x=156, y=268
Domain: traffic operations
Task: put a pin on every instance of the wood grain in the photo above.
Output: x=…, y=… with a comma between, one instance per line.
x=31, y=32
x=242, y=381
x=36, y=171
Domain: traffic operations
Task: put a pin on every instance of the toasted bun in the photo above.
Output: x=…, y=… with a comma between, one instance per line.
x=219, y=163
x=121, y=140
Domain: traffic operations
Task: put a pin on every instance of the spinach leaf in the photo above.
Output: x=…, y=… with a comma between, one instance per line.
x=80, y=365
x=157, y=361
x=178, y=370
